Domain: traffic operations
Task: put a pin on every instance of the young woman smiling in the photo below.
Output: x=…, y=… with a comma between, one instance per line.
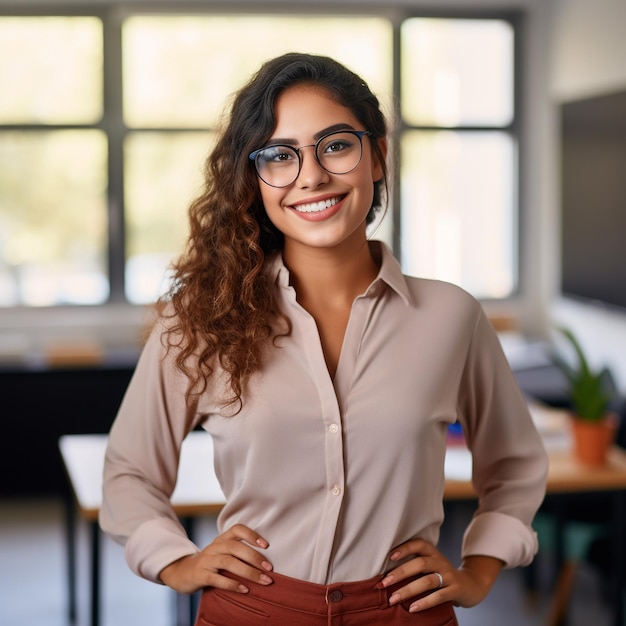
x=327, y=380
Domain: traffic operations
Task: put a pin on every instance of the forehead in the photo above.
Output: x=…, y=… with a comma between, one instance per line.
x=303, y=110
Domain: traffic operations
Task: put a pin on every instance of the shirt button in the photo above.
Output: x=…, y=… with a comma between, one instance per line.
x=333, y=428
x=336, y=490
x=336, y=596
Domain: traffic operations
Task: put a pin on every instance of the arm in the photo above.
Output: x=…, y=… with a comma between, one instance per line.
x=509, y=474
x=510, y=464
x=141, y=464
x=140, y=473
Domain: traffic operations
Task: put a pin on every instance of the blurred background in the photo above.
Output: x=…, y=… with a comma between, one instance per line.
x=109, y=108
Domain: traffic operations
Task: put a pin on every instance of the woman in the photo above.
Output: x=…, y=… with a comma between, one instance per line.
x=327, y=380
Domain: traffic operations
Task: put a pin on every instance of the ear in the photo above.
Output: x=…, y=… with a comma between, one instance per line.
x=377, y=166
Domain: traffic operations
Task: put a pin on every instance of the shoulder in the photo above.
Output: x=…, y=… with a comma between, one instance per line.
x=419, y=292
x=439, y=295
x=437, y=289
x=436, y=304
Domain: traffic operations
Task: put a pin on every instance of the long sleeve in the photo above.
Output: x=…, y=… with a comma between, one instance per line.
x=141, y=464
x=509, y=459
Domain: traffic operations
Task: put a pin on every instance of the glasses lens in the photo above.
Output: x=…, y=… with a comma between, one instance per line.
x=339, y=153
x=278, y=165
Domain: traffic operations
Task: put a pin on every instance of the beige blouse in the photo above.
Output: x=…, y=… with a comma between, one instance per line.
x=335, y=473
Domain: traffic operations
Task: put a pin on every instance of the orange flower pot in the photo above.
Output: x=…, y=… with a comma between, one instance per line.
x=592, y=440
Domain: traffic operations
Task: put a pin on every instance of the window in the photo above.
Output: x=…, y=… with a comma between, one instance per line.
x=94, y=184
x=167, y=109
x=53, y=162
x=458, y=153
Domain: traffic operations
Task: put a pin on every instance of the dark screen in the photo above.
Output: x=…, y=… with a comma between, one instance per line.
x=593, y=208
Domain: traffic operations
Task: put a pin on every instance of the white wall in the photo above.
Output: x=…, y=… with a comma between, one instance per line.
x=587, y=47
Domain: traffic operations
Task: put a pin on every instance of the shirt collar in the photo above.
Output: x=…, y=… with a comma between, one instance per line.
x=390, y=272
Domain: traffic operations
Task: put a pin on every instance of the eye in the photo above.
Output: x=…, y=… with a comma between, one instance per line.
x=337, y=145
x=277, y=154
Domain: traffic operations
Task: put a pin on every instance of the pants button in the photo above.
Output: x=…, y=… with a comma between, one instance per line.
x=336, y=596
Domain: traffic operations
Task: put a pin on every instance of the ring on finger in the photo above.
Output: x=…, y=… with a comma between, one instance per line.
x=440, y=578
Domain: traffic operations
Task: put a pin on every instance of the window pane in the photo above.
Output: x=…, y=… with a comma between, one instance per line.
x=179, y=71
x=163, y=173
x=50, y=70
x=458, y=209
x=53, y=218
x=457, y=72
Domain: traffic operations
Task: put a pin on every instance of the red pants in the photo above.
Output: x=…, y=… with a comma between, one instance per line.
x=291, y=602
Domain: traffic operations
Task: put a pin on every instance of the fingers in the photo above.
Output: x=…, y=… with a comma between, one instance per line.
x=419, y=583
x=243, y=533
x=238, y=541
x=428, y=573
x=210, y=576
x=424, y=593
x=412, y=547
x=236, y=551
x=428, y=578
x=425, y=558
x=237, y=558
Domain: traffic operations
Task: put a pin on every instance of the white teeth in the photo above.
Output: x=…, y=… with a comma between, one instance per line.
x=315, y=207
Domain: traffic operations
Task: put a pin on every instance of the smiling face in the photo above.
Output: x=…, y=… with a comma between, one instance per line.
x=319, y=209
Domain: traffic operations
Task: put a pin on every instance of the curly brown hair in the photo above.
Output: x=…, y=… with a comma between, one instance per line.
x=221, y=304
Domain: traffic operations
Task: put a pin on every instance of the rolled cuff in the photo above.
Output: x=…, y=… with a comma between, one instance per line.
x=500, y=536
x=154, y=545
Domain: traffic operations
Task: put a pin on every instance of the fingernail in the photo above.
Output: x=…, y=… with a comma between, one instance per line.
x=394, y=556
x=265, y=579
x=242, y=589
x=414, y=608
x=266, y=565
x=262, y=542
x=394, y=598
x=387, y=580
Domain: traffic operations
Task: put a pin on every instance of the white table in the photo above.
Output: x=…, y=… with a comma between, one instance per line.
x=197, y=494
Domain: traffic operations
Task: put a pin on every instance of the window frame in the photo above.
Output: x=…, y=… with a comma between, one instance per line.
x=112, y=14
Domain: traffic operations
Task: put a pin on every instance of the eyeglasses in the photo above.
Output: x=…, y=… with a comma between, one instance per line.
x=337, y=153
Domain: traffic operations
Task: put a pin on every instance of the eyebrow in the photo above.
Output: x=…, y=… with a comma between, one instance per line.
x=275, y=141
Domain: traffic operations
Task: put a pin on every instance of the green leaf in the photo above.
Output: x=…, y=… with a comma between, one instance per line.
x=588, y=396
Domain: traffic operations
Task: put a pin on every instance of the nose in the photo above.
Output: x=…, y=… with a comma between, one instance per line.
x=311, y=173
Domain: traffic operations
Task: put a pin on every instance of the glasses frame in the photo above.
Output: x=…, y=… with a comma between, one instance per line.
x=253, y=156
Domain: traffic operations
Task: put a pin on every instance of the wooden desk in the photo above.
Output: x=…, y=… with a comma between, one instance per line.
x=83, y=458
x=565, y=475
x=568, y=476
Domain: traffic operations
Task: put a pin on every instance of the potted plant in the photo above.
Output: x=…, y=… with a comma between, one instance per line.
x=593, y=424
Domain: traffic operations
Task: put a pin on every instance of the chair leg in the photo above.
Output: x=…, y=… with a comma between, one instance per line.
x=562, y=594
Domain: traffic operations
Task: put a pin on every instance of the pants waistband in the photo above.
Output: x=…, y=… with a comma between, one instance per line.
x=351, y=596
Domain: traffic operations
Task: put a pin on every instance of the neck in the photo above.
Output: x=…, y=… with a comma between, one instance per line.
x=334, y=277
